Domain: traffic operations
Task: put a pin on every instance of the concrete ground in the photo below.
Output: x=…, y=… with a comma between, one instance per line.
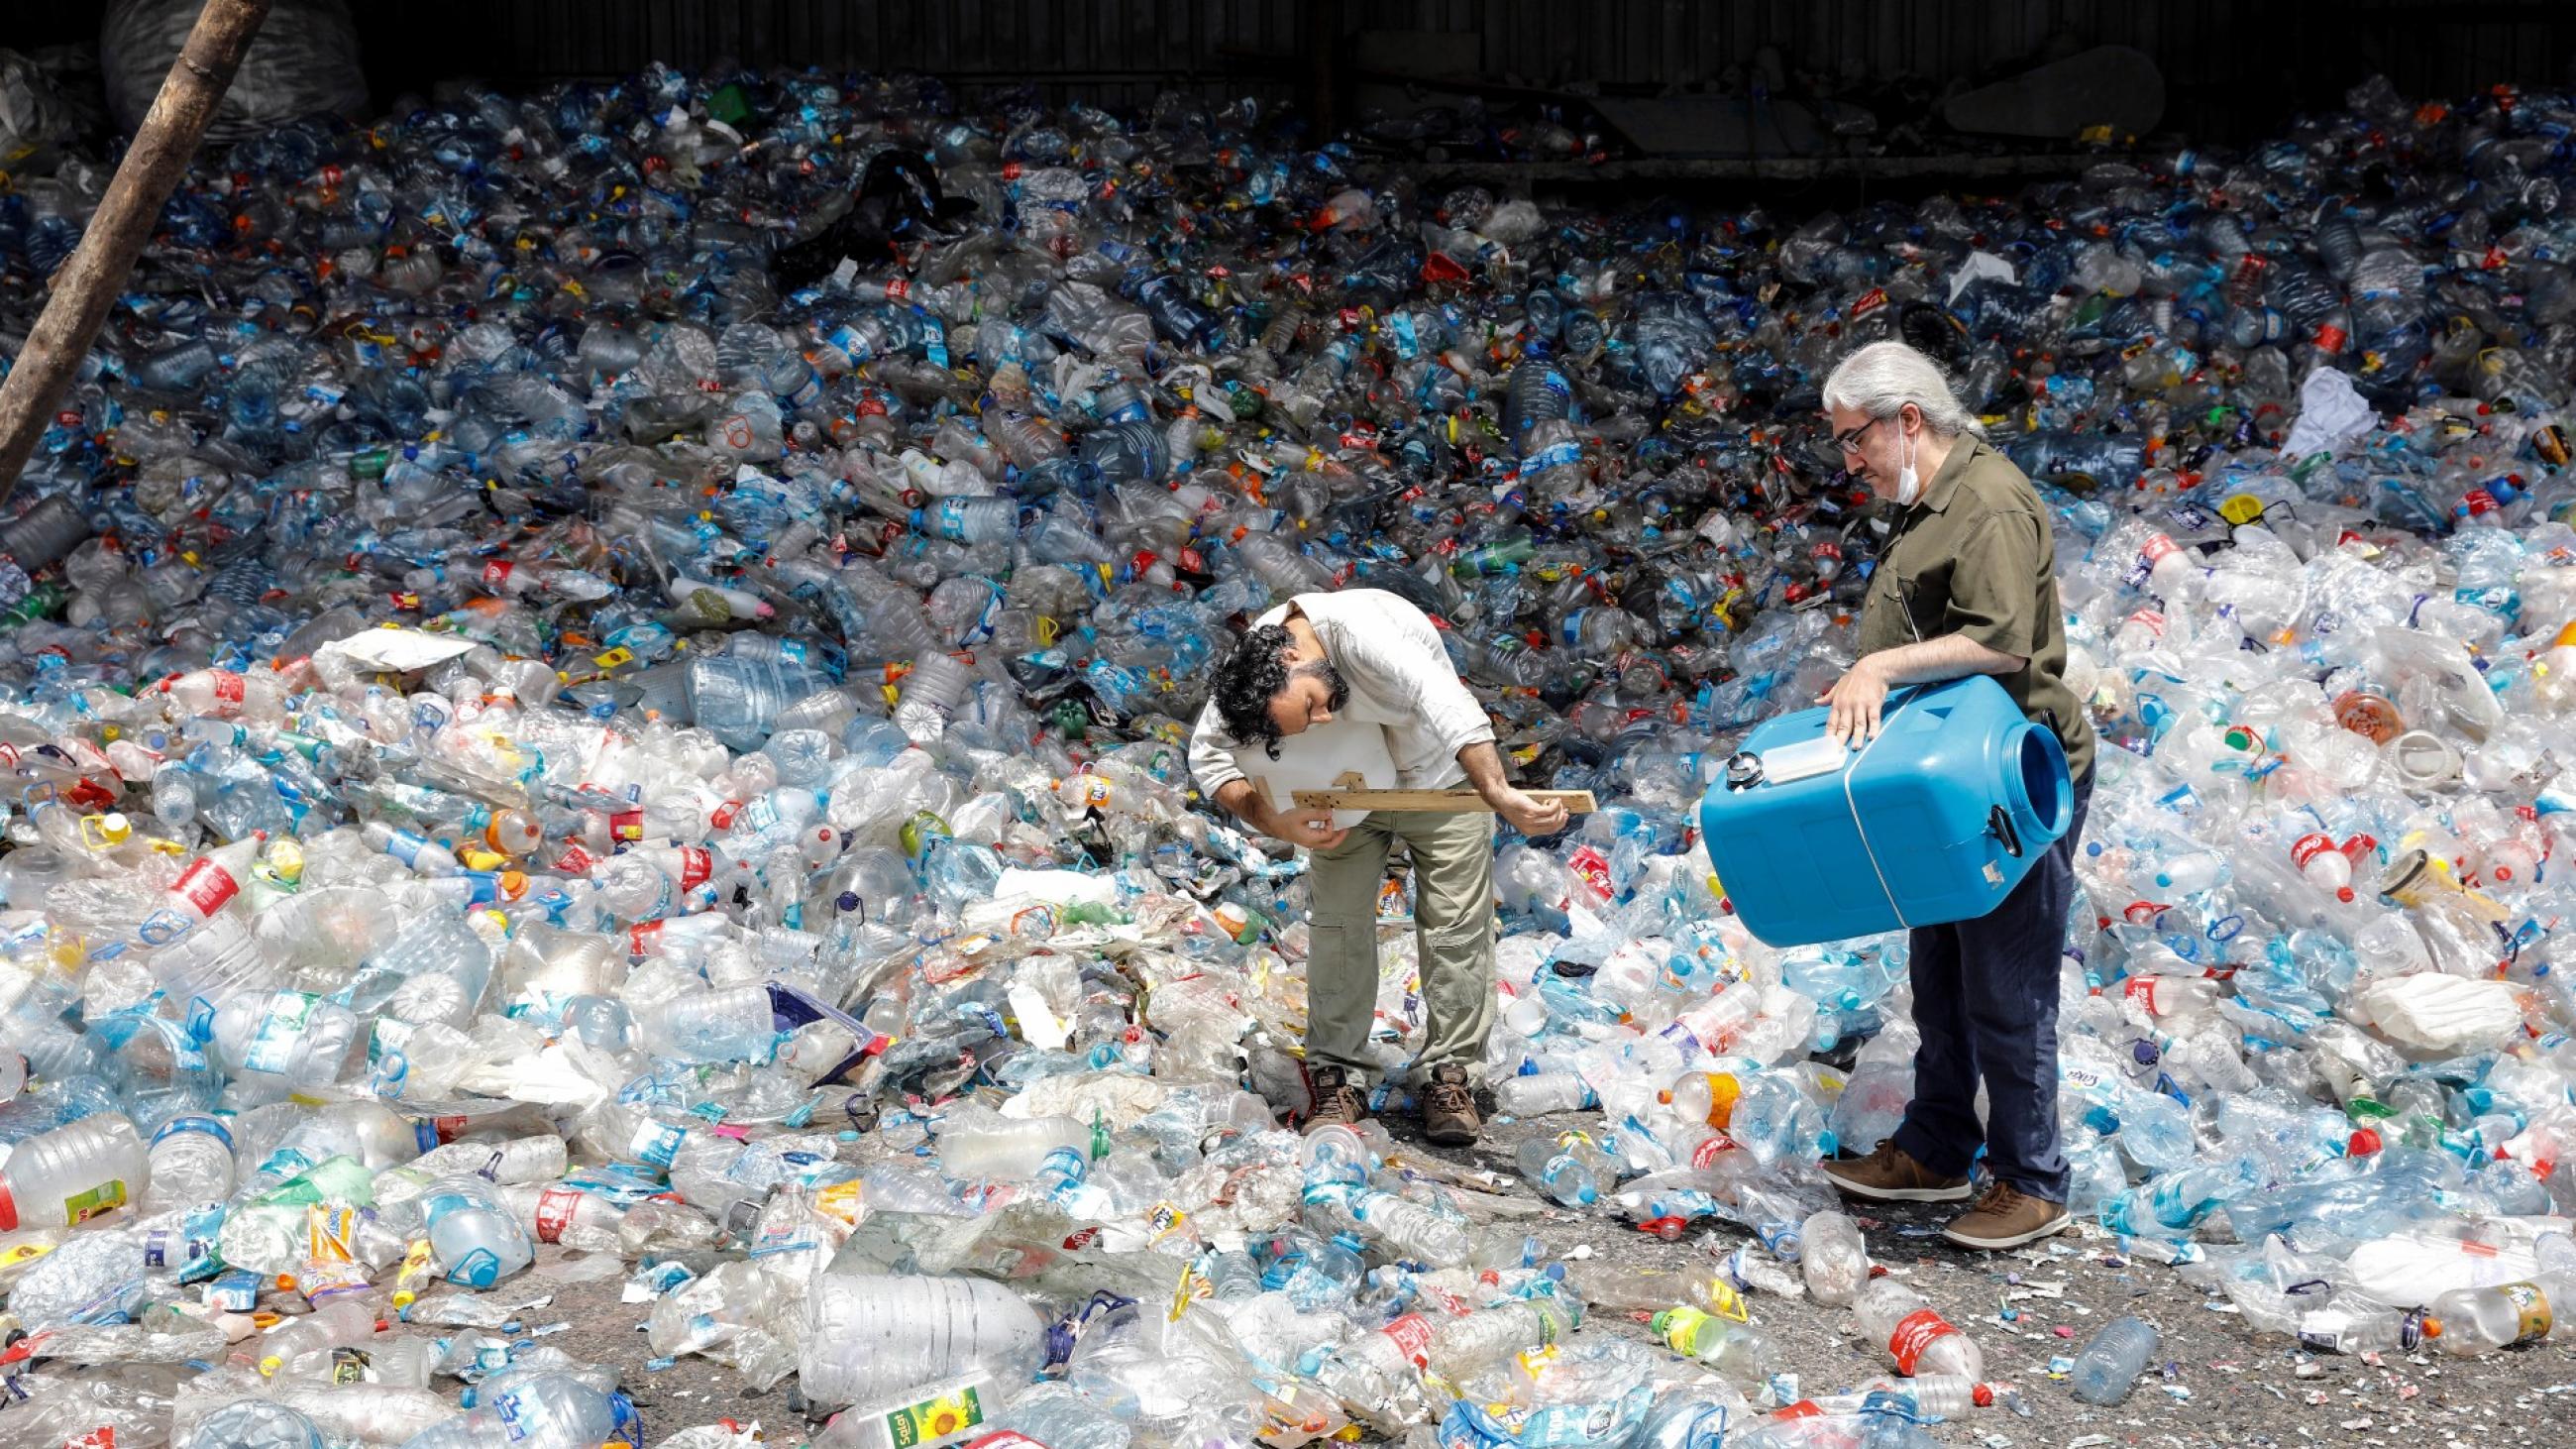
x=2219, y=1384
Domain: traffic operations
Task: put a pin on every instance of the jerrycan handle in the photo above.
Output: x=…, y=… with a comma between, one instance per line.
x=1999, y=824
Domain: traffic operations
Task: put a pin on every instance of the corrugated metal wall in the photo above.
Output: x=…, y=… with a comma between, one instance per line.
x=1119, y=53
x=2234, y=68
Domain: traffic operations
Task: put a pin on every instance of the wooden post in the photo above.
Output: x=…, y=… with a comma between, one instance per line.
x=88, y=284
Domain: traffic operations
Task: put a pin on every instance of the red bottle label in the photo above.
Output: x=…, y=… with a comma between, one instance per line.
x=555, y=1208
x=1914, y=1334
x=206, y=886
x=1412, y=1337
x=1594, y=868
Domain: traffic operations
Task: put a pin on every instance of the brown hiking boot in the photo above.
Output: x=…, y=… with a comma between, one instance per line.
x=1449, y=1115
x=2007, y=1217
x=1890, y=1174
x=1337, y=1102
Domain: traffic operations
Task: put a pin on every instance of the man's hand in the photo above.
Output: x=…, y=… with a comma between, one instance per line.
x=1530, y=817
x=1484, y=767
x=1856, y=699
x=1315, y=830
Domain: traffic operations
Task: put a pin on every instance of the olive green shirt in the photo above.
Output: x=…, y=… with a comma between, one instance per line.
x=1974, y=557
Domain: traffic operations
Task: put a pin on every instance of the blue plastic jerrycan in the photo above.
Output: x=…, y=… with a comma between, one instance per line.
x=1935, y=820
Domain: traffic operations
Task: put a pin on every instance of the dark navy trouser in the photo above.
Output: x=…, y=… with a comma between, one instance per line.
x=1985, y=999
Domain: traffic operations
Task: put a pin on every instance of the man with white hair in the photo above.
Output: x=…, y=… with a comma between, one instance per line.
x=1965, y=584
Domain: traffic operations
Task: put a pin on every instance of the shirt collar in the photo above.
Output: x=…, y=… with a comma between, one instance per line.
x=1937, y=493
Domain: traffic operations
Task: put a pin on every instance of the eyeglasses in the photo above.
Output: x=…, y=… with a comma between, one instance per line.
x=1849, y=443
x=1840, y=446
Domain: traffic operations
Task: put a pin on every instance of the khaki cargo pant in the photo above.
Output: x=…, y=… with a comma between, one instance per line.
x=1453, y=927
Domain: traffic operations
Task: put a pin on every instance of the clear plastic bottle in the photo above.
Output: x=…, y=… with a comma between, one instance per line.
x=339, y=1323
x=2477, y=1321
x=583, y=1221
x=474, y=1232
x=737, y=695
x=417, y=852
x=986, y=1146
x=1380, y=1369
x=252, y=1424
x=2324, y=865
x=931, y=694
x=1400, y=1225
x=44, y=534
x=1833, y=1257
x=727, y=1024
x=537, y=1157
x=190, y=1162
x=2121, y=1350
x=1281, y=567
x=970, y=520
x=534, y=1408
x=1464, y=1347
x=1706, y=1097
x=1558, y=1172
x=2171, y=1204
x=1914, y=1334
x=1538, y=392
x=867, y=1336
x=1536, y=1096
x=225, y=694
x=1924, y=1396
x=204, y=889
x=2351, y=1325
x=1233, y=1276
x=294, y=1038
x=383, y=1414
x=623, y=1133
x=1735, y=1349
x=1061, y=1417
x=1645, y=1290
x=1720, y=1022
x=65, y=1177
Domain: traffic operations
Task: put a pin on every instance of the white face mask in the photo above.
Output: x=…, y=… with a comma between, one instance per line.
x=1909, y=484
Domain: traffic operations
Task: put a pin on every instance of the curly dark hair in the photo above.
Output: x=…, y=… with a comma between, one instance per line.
x=1254, y=674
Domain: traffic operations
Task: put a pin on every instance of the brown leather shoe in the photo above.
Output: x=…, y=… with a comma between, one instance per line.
x=1449, y=1115
x=1890, y=1174
x=1337, y=1102
x=2007, y=1217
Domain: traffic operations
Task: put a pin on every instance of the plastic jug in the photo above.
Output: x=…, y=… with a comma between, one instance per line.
x=1935, y=820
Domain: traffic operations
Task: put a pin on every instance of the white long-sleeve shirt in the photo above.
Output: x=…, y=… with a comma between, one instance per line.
x=1400, y=679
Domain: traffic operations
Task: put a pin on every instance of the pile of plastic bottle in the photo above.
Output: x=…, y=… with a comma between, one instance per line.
x=529, y=742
